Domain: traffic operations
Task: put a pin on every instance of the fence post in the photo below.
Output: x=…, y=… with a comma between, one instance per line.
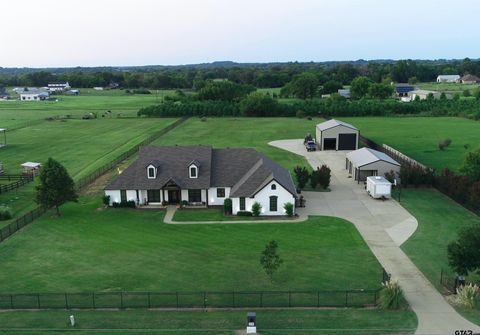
x=93, y=300
x=66, y=300
x=38, y=301
x=176, y=293
x=441, y=276
x=121, y=300
x=261, y=299
x=318, y=298
x=233, y=299
x=346, y=298
x=148, y=296
x=375, y=298
x=204, y=299
x=11, y=301
x=289, y=299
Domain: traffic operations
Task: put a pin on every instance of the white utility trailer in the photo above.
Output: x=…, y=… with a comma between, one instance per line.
x=378, y=187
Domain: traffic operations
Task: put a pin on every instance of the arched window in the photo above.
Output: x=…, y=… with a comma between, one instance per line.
x=274, y=187
x=273, y=203
x=151, y=172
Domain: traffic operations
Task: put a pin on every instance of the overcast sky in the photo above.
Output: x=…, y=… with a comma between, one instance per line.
x=141, y=32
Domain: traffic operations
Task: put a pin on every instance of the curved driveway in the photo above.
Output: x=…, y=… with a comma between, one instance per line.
x=384, y=225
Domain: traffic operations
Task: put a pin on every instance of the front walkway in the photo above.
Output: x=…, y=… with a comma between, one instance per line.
x=172, y=209
x=384, y=225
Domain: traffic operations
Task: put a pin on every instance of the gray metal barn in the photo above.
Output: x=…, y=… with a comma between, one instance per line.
x=336, y=135
x=366, y=162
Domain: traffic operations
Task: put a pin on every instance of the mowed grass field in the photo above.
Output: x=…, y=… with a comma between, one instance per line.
x=91, y=249
x=331, y=322
x=418, y=137
x=447, y=87
x=244, y=132
x=439, y=221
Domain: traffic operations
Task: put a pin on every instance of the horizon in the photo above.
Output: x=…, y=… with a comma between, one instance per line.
x=176, y=33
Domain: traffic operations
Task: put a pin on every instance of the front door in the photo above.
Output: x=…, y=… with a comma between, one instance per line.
x=173, y=196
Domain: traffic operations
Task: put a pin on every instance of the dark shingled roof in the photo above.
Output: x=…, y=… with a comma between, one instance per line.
x=245, y=170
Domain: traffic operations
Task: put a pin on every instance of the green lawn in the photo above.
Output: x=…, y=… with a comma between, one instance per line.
x=447, y=87
x=418, y=137
x=88, y=249
x=439, y=221
x=332, y=322
x=244, y=132
x=209, y=214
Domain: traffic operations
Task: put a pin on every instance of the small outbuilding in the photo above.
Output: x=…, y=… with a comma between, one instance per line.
x=366, y=162
x=3, y=137
x=448, y=78
x=469, y=79
x=336, y=135
x=423, y=94
x=31, y=168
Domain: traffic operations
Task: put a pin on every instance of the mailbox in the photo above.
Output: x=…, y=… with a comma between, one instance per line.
x=251, y=323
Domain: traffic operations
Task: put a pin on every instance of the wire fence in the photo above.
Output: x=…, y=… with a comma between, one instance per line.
x=179, y=300
x=17, y=181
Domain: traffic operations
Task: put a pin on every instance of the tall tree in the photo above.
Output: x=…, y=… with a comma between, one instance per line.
x=464, y=254
x=305, y=85
x=359, y=87
x=471, y=165
x=56, y=186
x=270, y=260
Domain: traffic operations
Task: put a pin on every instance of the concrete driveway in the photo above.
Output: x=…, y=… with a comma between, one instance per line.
x=384, y=225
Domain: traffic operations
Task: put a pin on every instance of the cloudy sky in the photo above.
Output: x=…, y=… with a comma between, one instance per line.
x=140, y=32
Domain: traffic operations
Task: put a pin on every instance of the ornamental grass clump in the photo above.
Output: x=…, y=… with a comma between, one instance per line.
x=391, y=295
x=467, y=296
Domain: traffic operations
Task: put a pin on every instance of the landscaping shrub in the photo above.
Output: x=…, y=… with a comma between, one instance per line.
x=302, y=175
x=467, y=295
x=244, y=213
x=390, y=176
x=300, y=114
x=184, y=203
x=227, y=206
x=391, y=295
x=256, y=209
x=124, y=204
x=411, y=174
x=324, y=175
x=5, y=213
x=288, y=209
x=314, y=179
x=443, y=144
x=141, y=91
x=106, y=200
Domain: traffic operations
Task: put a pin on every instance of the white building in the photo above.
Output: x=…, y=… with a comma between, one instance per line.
x=58, y=86
x=366, y=162
x=422, y=95
x=201, y=175
x=448, y=78
x=33, y=95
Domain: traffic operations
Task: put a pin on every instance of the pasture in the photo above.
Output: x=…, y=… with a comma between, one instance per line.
x=92, y=249
x=447, y=87
x=418, y=137
x=244, y=132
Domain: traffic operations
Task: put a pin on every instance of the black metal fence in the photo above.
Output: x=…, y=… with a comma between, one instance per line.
x=110, y=165
x=121, y=300
x=16, y=182
x=21, y=222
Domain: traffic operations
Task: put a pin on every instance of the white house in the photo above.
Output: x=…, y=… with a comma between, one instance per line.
x=448, y=78
x=58, y=86
x=33, y=95
x=422, y=95
x=201, y=175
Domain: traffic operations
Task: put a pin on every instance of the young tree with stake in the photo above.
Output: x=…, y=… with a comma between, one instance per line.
x=270, y=260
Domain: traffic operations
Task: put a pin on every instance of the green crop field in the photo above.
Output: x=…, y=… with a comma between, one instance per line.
x=244, y=132
x=418, y=137
x=331, y=322
x=447, y=87
x=88, y=249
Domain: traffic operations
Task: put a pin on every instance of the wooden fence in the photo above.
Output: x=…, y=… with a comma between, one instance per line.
x=17, y=181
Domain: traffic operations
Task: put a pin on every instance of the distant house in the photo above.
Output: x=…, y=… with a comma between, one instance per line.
x=98, y=88
x=33, y=95
x=422, y=94
x=401, y=90
x=112, y=86
x=344, y=92
x=58, y=86
x=469, y=79
x=448, y=78
x=204, y=176
x=4, y=94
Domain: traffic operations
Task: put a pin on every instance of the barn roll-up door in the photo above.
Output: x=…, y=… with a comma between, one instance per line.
x=347, y=141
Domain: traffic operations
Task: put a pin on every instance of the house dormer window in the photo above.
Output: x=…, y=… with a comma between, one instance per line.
x=151, y=172
x=193, y=171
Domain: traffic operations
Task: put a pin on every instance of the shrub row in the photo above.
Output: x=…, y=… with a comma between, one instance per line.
x=125, y=204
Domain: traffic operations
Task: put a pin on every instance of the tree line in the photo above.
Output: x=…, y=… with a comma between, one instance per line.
x=258, y=75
